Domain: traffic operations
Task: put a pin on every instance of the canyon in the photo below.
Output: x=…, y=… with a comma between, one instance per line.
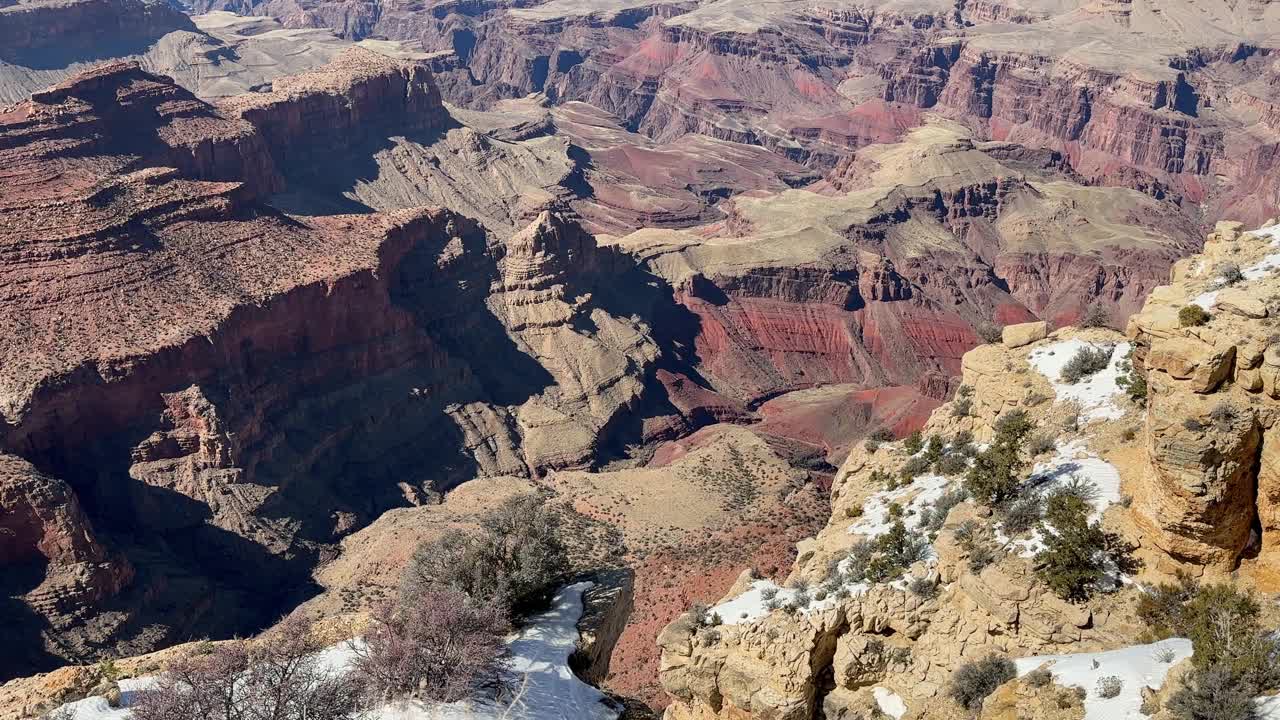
x=287, y=287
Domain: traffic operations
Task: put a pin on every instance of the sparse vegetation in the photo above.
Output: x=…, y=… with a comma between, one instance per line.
x=1223, y=416
x=1108, y=686
x=972, y=682
x=1086, y=362
x=924, y=587
x=1038, y=678
x=1212, y=694
x=1230, y=274
x=989, y=333
x=514, y=560
x=1040, y=444
x=1131, y=381
x=280, y=679
x=894, y=552
x=437, y=644
x=932, y=517
x=1023, y=514
x=913, y=443
x=1095, y=316
x=962, y=405
x=1192, y=316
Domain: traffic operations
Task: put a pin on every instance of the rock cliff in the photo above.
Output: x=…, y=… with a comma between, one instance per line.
x=1173, y=435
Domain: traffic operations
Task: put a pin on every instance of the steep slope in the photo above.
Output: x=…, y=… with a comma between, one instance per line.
x=228, y=389
x=1183, y=474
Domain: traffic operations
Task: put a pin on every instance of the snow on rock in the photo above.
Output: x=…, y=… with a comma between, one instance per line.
x=545, y=687
x=923, y=491
x=1073, y=458
x=890, y=702
x=1097, y=394
x=1256, y=271
x=1137, y=666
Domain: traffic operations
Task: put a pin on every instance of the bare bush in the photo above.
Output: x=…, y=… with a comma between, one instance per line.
x=1095, y=316
x=279, y=678
x=438, y=645
x=515, y=559
x=973, y=682
x=1108, y=687
x=989, y=333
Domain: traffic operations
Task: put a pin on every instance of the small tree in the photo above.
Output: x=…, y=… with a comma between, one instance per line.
x=1077, y=552
x=438, y=645
x=973, y=682
x=1131, y=381
x=279, y=678
x=1095, y=316
x=514, y=560
x=994, y=476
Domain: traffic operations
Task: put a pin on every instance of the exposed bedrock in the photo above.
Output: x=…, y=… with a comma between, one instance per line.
x=228, y=390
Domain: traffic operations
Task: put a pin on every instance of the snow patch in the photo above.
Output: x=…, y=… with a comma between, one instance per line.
x=924, y=491
x=1096, y=394
x=546, y=689
x=1256, y=271
x=890, y=702
x=1137, y=666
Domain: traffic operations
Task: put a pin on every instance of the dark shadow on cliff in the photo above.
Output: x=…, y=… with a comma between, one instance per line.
x=100, y=46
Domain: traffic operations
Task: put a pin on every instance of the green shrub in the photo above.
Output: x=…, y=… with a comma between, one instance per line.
x=895, y=551
x=1023, y=514
x=1040, y=444
x=913, y=442
x=1078, y=552
x=1095, y=316
x=915, y=467
x=1131, y=381
x=994, y=476
x=924, y=588
x=1087, y=361
x=1230, y=273
x=882, y=434
x=953, y=463
x=1192, y=316
x=933, y=517
x=973, y=682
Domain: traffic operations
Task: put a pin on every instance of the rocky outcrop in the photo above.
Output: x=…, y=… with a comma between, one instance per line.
x=84, y=26
x=1209, y=496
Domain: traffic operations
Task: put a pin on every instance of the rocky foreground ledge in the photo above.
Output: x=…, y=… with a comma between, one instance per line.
x=1175, y=436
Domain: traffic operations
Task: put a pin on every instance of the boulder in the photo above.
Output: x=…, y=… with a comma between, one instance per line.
x=1024, y=333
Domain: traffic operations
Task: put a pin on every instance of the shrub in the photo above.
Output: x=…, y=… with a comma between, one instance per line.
x=1038, y=678
x=1023, y=514
x=1087, y=361
x=281, y=678
x=1192, y=316
x=882, y=434
x=973, y=682
x=858, y=559
x=1162, y=608
x=1095, y=316
x=1224, y=627
x=1078, y=487
x=994, y=476
x=1108, y=686
x=981, y=556
x=871, y=445
x=1131, y=381
x=1040, y=444
x=989, y=333
x=1223, y=415
x=893, y=552
x=915, y=467
x=1164, y=654
x=924, y=588
x=1230, y=273
x=932, y=518
x=769, y=593
x=1077, y=553
x=801, y=597
x=953, y=463
x=933, y=449
x=437, y=645
x=1212, y=694
x=1193, y=424
x=883, y=478
x=514, y=560
x=913, y=442
x=967, y=534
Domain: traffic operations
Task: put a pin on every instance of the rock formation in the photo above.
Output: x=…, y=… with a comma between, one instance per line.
x=1182, y=473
